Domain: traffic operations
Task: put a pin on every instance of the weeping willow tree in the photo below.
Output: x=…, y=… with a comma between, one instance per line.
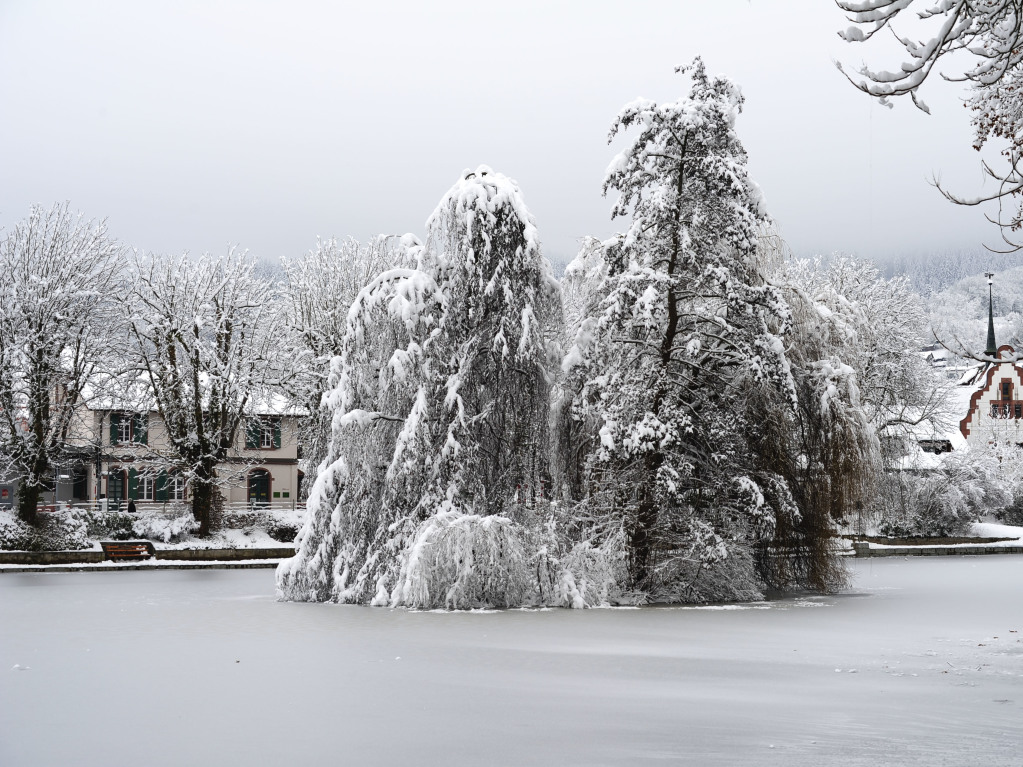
x=823, y=447
x=440, y=405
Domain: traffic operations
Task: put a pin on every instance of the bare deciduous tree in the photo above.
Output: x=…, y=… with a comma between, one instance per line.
x=321, y=287
x=208, y=339
x=57, y=324
x=983, y=41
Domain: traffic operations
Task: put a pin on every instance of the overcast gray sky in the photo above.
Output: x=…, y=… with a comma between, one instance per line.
x=195, y=125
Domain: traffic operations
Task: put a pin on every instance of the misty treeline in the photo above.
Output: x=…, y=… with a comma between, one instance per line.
x=932, y=273
x=688, y=414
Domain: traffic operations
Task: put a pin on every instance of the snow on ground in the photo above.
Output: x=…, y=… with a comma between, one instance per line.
x=250, y=538
x=993, y=530
x=920, y=662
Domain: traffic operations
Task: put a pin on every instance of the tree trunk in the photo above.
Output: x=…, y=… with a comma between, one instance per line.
x=204, y=499
x=642, y=535
x=28, y=502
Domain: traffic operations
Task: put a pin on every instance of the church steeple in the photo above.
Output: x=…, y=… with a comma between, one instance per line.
x=992, y=347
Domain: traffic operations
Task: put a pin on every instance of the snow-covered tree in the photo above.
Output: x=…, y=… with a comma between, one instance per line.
x=983, y=41
x=321, y=286
x=825, y=450
x=208, y=340
x=879, y=326
x=58, y=320
x=684, y=324
x=953, y=494
x=680, y=454
x=440, y=402
x=575, y=429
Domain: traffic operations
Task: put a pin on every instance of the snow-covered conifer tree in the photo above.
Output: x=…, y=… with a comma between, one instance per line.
x=440, y=405
x=685, y=322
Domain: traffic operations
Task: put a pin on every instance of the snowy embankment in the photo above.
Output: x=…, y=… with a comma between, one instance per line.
x=144, y=564
x=75, y=530
x=919, y=663
x=993, y=530
x=1002, y=536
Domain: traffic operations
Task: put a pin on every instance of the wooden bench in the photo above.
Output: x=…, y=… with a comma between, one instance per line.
x=118, y=550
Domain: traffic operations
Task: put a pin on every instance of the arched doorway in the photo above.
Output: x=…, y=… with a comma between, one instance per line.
x=259, y=487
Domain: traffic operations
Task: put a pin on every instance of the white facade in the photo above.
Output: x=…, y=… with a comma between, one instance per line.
x=124, y=455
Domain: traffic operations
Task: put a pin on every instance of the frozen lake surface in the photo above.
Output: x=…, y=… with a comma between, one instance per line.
x=921, y=662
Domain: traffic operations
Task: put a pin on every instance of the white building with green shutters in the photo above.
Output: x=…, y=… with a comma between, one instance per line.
x=121, y=454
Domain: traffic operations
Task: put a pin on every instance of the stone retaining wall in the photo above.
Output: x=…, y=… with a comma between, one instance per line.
x=863, y=549
x=190, y=555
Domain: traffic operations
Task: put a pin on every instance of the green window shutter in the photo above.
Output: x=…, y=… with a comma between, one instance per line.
x=277, y=433
x=140, y=428
x=252, y=432
x=115, y=423
x=133, y=484
x=162, y=480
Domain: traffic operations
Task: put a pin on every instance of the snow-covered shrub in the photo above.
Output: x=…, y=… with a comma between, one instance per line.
x=945, y=501
x=591, y=574
x=731, y=578
x=283, y=524
x=62, y=530
x=462, y=561
x=15, y=535
x=169, y=527
x=280, y=524
x=1012, y=514
x=239, y=520
x=105, y=525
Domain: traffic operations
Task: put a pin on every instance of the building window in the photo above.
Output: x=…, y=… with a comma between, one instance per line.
x=263, y=433
x=129, y=428
x=176, y=488
x=1006, y=390
x=147, y=487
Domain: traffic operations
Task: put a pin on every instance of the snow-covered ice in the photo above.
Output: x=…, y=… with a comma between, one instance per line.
x=920, y=662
